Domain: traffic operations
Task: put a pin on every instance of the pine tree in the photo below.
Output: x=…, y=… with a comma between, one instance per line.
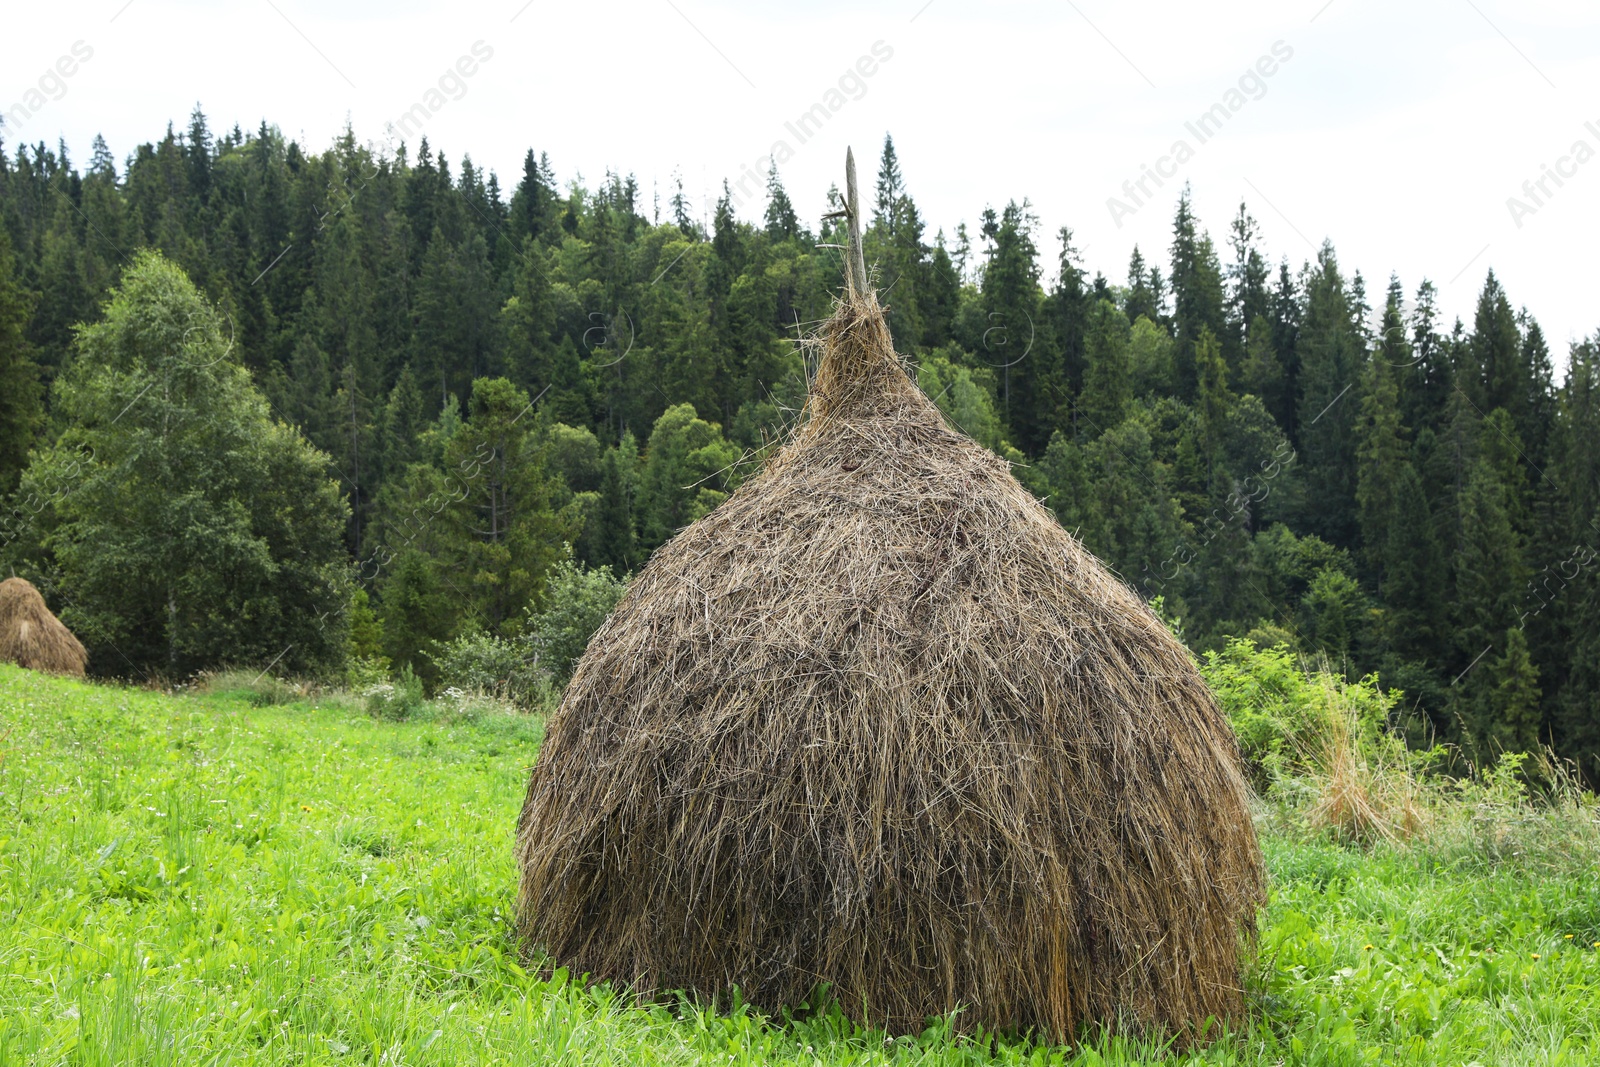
x=1381, y=456
x=782, y=225
x=1196, y=293
x=20, y=391
x=890, y=187
x=1329, y=355
x=1108, y=379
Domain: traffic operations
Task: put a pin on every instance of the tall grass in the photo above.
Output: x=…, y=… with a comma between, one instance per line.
x=193, y=878
x=1328, y=760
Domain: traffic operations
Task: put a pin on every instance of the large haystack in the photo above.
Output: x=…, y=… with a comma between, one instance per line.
x=879, y=722
x=30, y=636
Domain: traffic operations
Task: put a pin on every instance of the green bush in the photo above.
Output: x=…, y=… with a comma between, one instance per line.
x=398, y=700
x=1322, y=748
x=577, y=602
x=1284, y=714
x=478, y=662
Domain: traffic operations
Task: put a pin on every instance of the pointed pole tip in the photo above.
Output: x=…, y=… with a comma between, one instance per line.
x=855, y=268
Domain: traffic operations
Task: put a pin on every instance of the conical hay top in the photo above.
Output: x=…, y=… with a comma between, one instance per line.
x=879, y=722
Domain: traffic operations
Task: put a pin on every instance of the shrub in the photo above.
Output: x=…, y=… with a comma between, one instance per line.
x=1322, y=746
x=362, y=674
x=578, y=602
x=478, y=662
x=398, y=700
x=1285, y=715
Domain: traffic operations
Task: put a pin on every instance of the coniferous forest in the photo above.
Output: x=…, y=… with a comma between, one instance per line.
x=267, y=405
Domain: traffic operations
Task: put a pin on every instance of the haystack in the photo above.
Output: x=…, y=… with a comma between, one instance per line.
x=30, y=636
x=879, y=722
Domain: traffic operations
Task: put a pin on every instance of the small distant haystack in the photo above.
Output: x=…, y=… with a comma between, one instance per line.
x=30, y=636
x=879, y=722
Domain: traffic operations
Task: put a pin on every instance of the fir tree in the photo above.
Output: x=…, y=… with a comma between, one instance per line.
x=780, y=218
x=20, y=390
x=1108, y=380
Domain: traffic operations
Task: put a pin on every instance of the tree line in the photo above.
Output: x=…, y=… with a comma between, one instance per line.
x=261, y=402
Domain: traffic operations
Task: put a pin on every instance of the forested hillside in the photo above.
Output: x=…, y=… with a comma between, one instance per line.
x=488, y=373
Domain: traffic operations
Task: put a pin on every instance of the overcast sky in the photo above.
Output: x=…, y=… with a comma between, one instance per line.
x=1398, y=130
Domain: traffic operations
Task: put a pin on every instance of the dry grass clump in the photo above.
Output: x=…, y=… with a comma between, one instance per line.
x=879, y=722
x=30, y=636
x=1362, y=791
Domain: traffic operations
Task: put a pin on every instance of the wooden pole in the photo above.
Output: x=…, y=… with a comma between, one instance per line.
x=855, y=266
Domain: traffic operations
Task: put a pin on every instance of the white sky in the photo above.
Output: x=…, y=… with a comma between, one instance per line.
x=1397, y=129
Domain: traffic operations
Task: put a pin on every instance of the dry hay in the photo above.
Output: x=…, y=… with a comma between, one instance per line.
x=30, y=636
x=879, y=722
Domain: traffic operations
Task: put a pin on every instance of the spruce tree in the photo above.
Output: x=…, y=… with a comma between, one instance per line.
x=1330, y=356
x=1196, y=293
x=1381, y=456
x=1248, y=294
x=782, y=225
x=619, y=480
x=1413, y=574
x=1495, y=376
x=1033, y=389
x=1489, y=582
x=21, y=413
x=1108, y=379
x=890, y=187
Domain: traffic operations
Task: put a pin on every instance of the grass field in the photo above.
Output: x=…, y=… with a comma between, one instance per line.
x=194, y=879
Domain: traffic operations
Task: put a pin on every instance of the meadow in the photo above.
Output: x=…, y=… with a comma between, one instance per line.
x=248, y=875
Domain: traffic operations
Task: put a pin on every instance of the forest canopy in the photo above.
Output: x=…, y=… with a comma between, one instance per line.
x=254, y=395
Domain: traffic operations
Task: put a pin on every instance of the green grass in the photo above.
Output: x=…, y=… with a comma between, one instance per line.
x=206, y=879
